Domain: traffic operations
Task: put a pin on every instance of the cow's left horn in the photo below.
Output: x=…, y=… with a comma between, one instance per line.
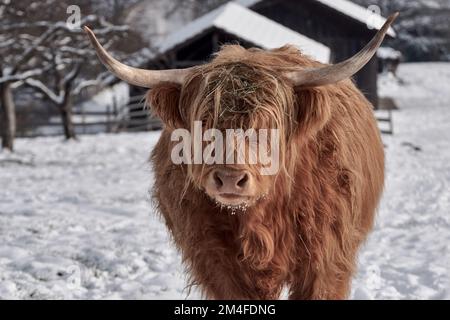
x=135, y=76
x=334, y=73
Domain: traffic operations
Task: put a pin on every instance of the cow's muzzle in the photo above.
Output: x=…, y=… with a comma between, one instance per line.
x=229, y=187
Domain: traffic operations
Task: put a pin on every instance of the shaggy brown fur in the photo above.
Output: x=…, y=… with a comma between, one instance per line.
x=319, y=208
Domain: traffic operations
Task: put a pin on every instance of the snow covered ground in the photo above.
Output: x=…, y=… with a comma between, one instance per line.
x=76, y=219
x=408, y=254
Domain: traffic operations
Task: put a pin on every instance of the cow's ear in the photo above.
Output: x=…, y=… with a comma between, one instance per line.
x=164, y=102
x=313, y=108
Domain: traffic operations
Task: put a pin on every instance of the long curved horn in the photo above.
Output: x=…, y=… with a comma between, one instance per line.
x=334, y=73
x=135, y=76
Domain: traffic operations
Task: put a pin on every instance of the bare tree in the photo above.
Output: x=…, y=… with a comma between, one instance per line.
x=62, y=98
x=70, y=61
x=20, y=43
x=17, y=50
x=44, y=52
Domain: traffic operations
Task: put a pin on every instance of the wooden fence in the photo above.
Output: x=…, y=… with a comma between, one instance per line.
x=135, y=117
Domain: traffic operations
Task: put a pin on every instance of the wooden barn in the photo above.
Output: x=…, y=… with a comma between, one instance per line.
x=327, y=30
x=232, y=23
x=341, y=25
x=197, y=41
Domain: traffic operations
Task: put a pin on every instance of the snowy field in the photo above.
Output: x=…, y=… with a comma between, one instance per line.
x=76, y=219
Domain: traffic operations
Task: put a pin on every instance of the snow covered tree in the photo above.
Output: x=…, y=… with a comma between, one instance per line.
x=17, y=48
x=423, y=27
x=40, y=49
x=72, y=66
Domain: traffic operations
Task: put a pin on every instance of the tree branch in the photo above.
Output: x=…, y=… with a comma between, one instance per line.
x=23, y=76
x=53, y=29
x=38, y=85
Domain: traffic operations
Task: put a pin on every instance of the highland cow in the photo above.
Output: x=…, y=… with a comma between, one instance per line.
x=301, y=227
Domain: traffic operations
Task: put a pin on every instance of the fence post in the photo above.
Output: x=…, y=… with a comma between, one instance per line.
x=108, y=118
x=115, y=115
x=83, y=120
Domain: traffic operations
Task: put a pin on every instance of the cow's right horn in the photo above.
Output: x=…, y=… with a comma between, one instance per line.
x=330, y=74
x=135, y=76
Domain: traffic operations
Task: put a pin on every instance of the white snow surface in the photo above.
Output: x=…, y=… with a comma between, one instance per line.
x=76, y=220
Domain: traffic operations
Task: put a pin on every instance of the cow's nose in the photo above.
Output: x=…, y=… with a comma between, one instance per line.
x=230, y=181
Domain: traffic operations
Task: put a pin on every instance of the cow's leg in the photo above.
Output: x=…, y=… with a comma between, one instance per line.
x=327, y=283
x=224, y=284
x=237, y=284
x=221, y=276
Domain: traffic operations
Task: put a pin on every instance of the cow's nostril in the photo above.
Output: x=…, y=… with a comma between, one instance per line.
x=243, y=181
x=217, y=180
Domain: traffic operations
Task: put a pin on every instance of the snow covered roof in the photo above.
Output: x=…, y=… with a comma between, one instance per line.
x=249, y=26
x=346, y=7
x=388, y=53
